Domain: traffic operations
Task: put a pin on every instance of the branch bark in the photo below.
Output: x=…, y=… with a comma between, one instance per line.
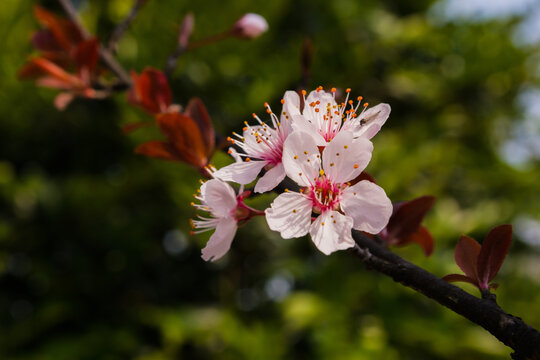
x=122, y=27
x=106, y=56
x=509, y=329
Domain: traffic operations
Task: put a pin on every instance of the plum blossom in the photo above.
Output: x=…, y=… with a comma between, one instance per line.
x=263, y=147
x=249, y=26
x=326, y=191
x=227, y=211
x=323, y=118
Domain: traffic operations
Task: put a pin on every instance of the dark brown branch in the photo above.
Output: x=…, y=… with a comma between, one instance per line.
x=509, y=329
x=106, y=56
x=122, y=27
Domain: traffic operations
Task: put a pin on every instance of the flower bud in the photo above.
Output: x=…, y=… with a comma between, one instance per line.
x=249, y=26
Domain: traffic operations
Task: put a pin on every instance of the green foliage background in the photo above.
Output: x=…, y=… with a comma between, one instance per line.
x=96, y=260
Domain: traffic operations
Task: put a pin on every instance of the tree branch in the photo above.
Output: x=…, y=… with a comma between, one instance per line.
x=105, y=55
x=122, y=27
x=508, y=329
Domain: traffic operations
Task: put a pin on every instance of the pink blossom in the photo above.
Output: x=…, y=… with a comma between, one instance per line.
x=322, y=117
x=226, y=210
x=263, y=147
x=325, y=191
x=249, y=26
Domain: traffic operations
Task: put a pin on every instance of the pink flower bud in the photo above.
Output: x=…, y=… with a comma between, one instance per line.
x=186, y=29
x=249, y=26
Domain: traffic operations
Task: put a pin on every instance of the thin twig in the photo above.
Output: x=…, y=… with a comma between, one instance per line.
x=172, y=60
x=105, y=55
x=508, y=329
x=122, y=27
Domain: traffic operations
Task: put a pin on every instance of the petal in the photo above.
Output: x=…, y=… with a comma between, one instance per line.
x=370, y=121
x=301, y=158
x=331, y=231
x=291, y=104
x=367, y=204
x=219, y=196
x=320, y=95
x=300, y=123
x=290, y=214
x=345, y=158
x=240, y=172
x=271, y=179
x=221, y=239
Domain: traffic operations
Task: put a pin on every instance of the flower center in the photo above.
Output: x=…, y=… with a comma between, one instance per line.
x=325, y=195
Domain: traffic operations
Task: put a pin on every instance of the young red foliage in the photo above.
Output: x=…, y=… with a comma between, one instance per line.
x=404, y=226
x=466, y=256
x=150, y=91
x=68, y=62
x=59, y=34
x=482, y=263
x=190, y=137
x=493, y=252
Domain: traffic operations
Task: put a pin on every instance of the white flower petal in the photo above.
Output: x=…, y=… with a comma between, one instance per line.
x=320, y=95
x=367, y=204
x=240, y=172
x=300, y=123
x=291, y=105
x=271, y=179
x=370, y=121
x=221, y=239
x=301, y=158
x=345, y=157
x=331, y=231
x=219, y=196
x=290, y=214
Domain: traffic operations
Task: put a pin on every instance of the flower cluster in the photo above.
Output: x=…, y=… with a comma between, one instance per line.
x=323, y=147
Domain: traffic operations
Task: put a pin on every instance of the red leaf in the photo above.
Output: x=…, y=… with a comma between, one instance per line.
x=197, y=111
x=493, y=252
x=460, y=278
x=44, y=40
x=64, y=31
x=62, y=100
x=408, y=216
x=184, y=134
x=466, y=256
x=129, y=128
x=157, y=149
x=86, y=56
x=62, y=79
x=422, y=237
x=150, y=91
